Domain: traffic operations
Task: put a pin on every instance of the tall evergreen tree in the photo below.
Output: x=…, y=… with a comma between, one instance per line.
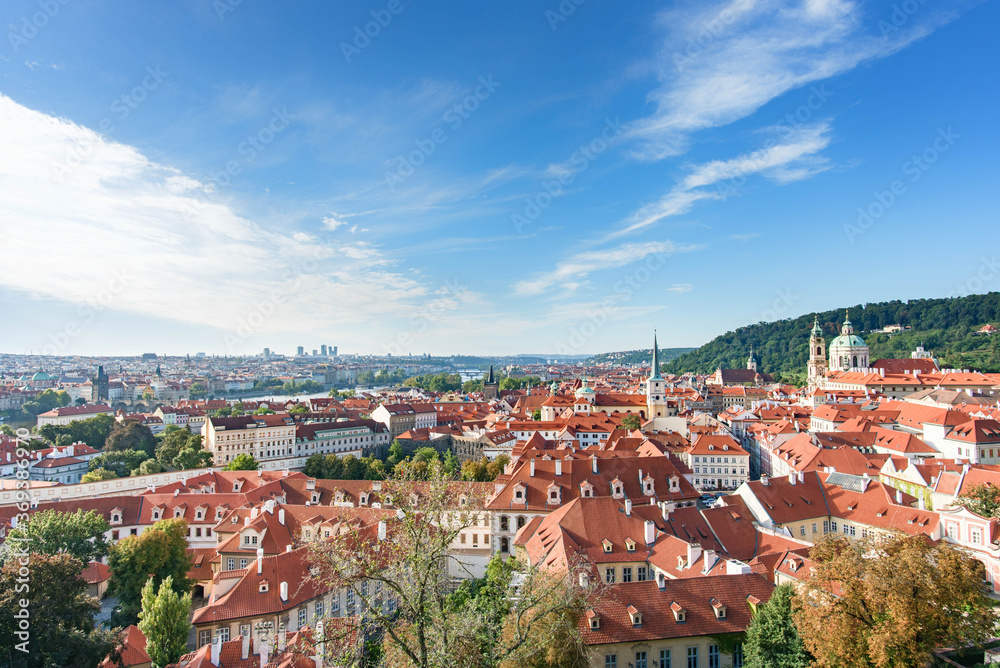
x=164, y=621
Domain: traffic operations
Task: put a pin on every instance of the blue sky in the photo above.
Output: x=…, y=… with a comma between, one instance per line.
x=484, y=178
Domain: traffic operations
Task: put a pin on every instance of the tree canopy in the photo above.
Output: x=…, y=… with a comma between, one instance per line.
x=772, y=641
x=61, y=612
x=242, y=462
x=130, y=435
x=79, y=534
x=164, y=621
x=157, y=553
x=888, y=601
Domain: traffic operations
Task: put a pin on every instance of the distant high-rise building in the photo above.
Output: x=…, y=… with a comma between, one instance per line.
x=322, y=350
x=267, y=353
x=300, y=351
x=335, y=351
x=314, y=352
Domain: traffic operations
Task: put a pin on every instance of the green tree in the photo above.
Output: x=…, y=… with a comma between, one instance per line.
x=772, y=641
x=536, y=415
x=242, y=462
x=194, y=457
x=97, y=475
x=264, y=410
x=475, y=470
x=496, y=467
x=157, y=553
x=631, y=422
x=163, y=619
x=62, y=629
x=130, y=435
x=120, y=462
x=298, y=409
x=79, y=534
x=149, y=467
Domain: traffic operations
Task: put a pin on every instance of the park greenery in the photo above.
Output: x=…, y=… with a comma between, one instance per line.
x=395, y=465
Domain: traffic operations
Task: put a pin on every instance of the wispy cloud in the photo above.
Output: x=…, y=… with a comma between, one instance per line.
x=570, y=273
x=721, y=62
x=795, y=158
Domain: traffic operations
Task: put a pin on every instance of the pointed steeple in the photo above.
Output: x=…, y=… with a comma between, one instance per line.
x=158, y=374
x=490, y=379
x=654, y=372
x=816, y=330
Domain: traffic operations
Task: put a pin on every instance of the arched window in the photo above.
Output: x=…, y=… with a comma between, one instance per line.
x=504, y=523
x=520, y=522
x=855, y=360
x=504, y=545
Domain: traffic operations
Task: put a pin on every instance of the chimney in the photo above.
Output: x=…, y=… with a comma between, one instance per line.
x=246, y=521
x=265, y=652
x=531, y=468
x=381, y=530
x=310, y=484
x=920, y=502
x=694, y=551
x=650, y=532
x=665, y=509
x=899, y=497
x=260, y=560
x=246, y=647
x=709, y=561
x=628, y=507
x=558, y=467
x=283, y=591
x=253, y=513
x=320, y=644
x=281, y=515
x=802, y=476
x=584, y=580
x=791, y=478
x=216, y=649
x=593, y=462
x=763, y=480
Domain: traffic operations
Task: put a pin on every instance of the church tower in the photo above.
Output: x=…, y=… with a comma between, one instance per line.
x=848, y=351
x=491, y=386
x=656, y=387
x=752, y=361
x=817, y=356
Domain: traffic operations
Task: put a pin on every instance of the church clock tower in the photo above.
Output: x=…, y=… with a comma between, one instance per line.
x=817, y=367
x=656, y=387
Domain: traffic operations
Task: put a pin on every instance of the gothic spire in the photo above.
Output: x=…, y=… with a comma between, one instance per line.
x=654, y=372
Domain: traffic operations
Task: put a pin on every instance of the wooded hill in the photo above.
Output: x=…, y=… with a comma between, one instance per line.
x=946, y=327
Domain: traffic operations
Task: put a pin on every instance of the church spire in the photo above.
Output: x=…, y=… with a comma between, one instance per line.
x=490, y=379
x=654, y=372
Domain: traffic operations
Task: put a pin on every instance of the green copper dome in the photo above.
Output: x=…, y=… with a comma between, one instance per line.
x=848, y=340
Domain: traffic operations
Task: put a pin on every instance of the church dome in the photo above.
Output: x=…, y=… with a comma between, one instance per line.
x=41, y=375
x=848, y=340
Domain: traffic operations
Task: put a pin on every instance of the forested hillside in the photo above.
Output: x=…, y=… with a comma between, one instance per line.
x=640, y=356
x=946, y=327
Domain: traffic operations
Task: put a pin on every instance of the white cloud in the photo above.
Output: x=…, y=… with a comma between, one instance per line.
x=570, y=273
x=332, y=222
x=79, y=209
x=795, y=158
x=721, y=62
x=681, y=288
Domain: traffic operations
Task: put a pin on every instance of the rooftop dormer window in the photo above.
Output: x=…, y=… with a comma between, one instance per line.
x=720, y=610
x=680, y=614
x=635, y=615
x=595, y=620
x=263, y=587
x=630, y=545
x=607, y=545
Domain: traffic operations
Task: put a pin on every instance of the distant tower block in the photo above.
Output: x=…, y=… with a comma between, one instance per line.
x=322, y=350
x=300, y=351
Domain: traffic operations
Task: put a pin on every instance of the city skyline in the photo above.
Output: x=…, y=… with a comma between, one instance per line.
x=169, y=185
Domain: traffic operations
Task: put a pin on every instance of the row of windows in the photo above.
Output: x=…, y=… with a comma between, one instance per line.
x=721, y=460
x=666, y=658
x=641, y=574
x=721, y=471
